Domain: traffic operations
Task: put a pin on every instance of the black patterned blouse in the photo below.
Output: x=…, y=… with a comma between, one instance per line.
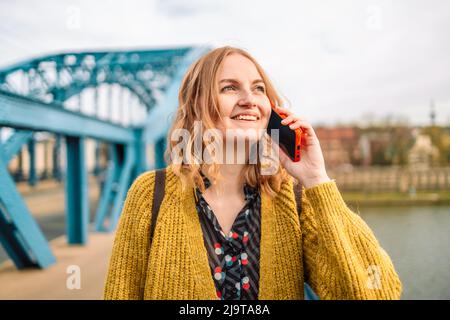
x=233, y=258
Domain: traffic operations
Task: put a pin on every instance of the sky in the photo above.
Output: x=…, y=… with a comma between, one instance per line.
x=343, y=61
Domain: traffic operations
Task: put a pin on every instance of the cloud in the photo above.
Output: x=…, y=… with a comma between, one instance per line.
x=181, y=8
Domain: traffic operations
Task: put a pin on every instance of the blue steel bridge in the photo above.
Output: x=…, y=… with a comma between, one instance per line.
x=122, y=100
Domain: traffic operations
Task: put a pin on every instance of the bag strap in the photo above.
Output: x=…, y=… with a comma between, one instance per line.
x=298, y=198
x=159, y=190
x=158, y=196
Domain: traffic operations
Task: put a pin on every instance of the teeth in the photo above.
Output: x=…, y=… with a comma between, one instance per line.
x=246, y=117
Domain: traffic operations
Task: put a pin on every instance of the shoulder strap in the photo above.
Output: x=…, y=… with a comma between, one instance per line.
x=158, y=196
x=298, y=198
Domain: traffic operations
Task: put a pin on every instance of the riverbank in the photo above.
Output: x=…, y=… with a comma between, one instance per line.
x=423, y=198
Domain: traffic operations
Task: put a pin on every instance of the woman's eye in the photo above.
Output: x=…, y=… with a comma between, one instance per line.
x=261, y=88
x=227, y=87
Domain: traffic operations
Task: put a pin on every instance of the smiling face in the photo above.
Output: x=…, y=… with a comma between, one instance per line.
x=243, y=102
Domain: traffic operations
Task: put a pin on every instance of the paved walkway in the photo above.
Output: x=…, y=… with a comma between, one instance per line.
x=51, y=283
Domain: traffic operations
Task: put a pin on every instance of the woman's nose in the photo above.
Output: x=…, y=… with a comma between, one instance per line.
x=247, y=99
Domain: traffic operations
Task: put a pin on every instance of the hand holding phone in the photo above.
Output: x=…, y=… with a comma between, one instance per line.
x=289, y=140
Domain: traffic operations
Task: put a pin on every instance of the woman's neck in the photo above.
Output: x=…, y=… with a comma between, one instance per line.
x=231, y=182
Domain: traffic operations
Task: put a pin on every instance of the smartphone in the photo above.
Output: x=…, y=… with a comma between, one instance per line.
x=289, y=140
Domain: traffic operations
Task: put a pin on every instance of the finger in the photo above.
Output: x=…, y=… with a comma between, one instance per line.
x=305, y=126
x=297, y=124
x=288, y=120
x=283, y=110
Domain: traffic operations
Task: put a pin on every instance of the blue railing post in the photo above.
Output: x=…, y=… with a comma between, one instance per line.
x=96, y=171
x=160, y=147
x=18, y=174
x=32, y=160
x=56, y=158
x=309, y=293
x=77, y=201
x=141, y=155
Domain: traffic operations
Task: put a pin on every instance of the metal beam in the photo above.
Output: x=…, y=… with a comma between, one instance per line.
x=26, y=113
x=14, y=144
x=106, y=196
x=103, y=58
x=20, y=234
x=123, y=184
x=118, y=178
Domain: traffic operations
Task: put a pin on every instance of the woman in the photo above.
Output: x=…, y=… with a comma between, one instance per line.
x=228, y=231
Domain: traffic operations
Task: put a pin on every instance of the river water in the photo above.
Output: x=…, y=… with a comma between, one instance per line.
x=418, y=242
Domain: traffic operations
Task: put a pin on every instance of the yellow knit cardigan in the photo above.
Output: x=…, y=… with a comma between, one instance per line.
x=331, y=248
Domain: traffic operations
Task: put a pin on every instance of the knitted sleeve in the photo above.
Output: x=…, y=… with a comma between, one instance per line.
x=128, y=263
x=342, y=257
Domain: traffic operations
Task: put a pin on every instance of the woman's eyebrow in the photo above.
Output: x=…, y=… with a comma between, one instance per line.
x=236, y=81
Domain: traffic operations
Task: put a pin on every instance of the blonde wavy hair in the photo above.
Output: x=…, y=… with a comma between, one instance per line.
x=198, y=101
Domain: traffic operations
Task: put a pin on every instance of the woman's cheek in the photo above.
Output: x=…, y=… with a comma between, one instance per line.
x=266, y=122
x=266, y=116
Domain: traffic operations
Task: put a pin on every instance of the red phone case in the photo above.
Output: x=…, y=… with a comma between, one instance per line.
x=298, y=138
